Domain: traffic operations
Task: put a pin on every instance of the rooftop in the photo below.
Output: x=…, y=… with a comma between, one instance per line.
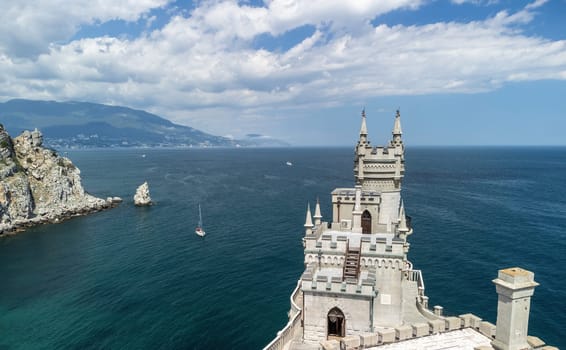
x=461, y=339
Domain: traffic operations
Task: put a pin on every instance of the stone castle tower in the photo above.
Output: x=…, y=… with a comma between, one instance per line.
x=357, y=276
x=360, y=291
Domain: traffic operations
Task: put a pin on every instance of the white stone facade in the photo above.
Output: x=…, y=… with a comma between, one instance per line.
x=359, y=290
x=357, y=265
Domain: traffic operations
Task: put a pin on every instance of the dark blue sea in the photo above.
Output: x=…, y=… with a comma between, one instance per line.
x=139, y=278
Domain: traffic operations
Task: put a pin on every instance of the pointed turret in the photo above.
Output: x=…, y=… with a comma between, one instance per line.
x=317, y=214
x=396, y=141
x=397, y=126
x=363, y=128
x=308, y=221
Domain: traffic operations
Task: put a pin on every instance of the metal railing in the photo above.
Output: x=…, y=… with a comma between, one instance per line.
x=417, y=276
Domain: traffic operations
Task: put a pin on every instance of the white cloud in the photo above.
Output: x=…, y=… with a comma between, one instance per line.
x=29, y=27
x=202, y=68
x=476, y=2
x=536, y=4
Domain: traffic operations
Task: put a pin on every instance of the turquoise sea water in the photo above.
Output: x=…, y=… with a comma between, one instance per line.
x=139, y=278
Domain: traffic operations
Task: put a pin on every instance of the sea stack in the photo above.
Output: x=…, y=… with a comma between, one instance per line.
x=37, y=185
x=142, y=198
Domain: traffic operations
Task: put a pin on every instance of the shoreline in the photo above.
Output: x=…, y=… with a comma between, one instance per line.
x=58, y=216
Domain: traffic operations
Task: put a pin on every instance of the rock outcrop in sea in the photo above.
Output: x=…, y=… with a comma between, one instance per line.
x=38, y=186
x=142, y=198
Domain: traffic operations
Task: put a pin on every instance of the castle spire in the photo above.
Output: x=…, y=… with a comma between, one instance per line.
x=397, y=125
x=308, y=220
x=396, y=141
x=363, y=128
x=317, y=214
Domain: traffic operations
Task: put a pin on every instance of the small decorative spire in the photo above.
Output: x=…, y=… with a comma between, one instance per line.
x=397, y=125
x=317, y=214
x=308, y=220
x=396, y=141
x=363, y=128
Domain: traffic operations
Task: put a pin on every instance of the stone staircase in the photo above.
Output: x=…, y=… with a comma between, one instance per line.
x=351, y=264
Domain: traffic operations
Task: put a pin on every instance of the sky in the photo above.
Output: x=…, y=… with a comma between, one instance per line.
x=461, y=72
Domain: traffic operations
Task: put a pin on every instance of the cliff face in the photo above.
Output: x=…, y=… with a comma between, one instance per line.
x=16, y=201
x=37, y=185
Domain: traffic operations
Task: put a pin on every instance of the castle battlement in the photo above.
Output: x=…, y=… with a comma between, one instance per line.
x=335, y=243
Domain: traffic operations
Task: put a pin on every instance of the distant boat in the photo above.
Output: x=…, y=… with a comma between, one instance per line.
x=143, y=155
x=289, y=164
x=199, y=231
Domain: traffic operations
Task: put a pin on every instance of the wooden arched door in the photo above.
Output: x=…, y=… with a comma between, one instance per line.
x=336, y=323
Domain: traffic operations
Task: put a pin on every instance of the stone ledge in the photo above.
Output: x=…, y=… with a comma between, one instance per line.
x=330, y=345
x=487, y=329
x=369, y=339
x=437, y=326
x=453, y=323
x=386, y=335
x=470, y=320
x=403, y=332
x=535, y=342
x=350, y=342
x=421, y=329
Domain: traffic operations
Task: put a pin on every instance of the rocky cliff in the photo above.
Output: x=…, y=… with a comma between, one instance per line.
x=37, y=185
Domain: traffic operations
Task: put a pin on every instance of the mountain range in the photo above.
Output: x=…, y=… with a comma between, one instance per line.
x=90, y=125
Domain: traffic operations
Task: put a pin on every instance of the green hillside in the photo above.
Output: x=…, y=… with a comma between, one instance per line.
x=84, y=124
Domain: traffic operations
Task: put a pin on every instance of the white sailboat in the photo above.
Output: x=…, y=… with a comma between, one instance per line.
x=199, y=231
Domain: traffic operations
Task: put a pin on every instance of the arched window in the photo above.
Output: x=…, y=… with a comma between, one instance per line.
x=366, y=222
x=336, y=323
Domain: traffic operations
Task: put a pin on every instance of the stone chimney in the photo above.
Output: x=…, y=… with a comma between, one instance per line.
x=514, y=287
